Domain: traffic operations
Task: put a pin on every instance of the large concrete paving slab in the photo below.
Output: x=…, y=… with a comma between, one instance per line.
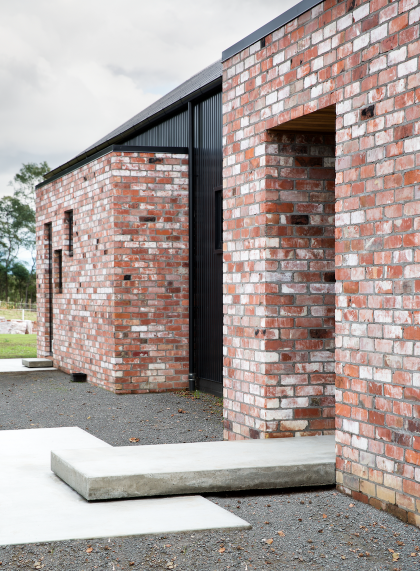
x=166, y=469
x=13, y=366
x=36, y=506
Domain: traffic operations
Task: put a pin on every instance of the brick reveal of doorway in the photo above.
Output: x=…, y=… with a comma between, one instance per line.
x=122, y=315
x=280, y=353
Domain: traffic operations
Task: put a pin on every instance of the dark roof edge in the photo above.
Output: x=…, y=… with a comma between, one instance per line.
x=68, y=166
x=113, y=149
x=267, y=29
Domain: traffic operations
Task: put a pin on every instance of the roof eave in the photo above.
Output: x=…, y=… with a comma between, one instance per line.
x=135, y=128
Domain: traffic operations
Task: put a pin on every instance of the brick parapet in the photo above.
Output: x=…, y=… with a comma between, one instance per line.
x=362, y=57
x=130, y=219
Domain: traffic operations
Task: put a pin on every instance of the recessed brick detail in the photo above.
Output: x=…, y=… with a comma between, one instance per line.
x=329, y=277
x=122, y=316
x=367, y=112
x=299, y=219
x=321, y=333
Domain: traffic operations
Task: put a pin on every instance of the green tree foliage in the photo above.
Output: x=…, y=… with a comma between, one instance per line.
x=22, y=278
x=17, y=230
x=21, y=283
x=26, y=179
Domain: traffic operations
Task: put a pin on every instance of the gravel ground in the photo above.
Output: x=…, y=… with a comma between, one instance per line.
x=316, y=529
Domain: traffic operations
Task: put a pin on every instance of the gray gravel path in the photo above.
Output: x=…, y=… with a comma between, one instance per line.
x=310, y=529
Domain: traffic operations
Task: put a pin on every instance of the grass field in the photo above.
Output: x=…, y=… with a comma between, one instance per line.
x=15, y=346
x=17, y=314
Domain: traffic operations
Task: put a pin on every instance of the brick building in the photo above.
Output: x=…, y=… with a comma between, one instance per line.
x=320, y=113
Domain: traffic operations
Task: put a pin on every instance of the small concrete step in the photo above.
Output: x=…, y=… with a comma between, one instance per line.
x=37, y=363
x=167, y=469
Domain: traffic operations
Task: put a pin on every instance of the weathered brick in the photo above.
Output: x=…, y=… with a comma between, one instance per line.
x=377, y=266
x=126, y=326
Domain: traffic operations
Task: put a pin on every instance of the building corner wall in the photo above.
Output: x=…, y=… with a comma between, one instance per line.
x=364, y=59
x=122, y=314
x=83, y=332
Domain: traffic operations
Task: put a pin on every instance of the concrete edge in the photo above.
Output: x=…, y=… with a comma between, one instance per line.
x=83, y=537
x=29, y=370
x=195, y=482
x=69, y=475
x=206, y=482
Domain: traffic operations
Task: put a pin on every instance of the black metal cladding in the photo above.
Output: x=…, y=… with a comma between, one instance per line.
x=172, y=133
x=209, y=262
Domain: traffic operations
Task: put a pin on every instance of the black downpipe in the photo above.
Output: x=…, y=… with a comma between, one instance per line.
x=50, y=285
x=191, y=366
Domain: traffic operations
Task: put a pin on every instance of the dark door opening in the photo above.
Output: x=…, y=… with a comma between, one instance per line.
x=50, y=286
x=208, y=246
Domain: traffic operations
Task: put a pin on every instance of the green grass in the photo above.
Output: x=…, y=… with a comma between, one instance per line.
x=17, y=314
x=15, y=346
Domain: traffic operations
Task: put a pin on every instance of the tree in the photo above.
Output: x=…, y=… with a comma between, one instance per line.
x=26, y=179
x=3, y=278
x=17, y=223
x=22, y=276
x=17, y=230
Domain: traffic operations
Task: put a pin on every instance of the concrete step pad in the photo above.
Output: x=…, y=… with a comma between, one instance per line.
x=166, y=469
x=37, y=363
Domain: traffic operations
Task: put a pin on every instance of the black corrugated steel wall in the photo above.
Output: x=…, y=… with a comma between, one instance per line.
x=170, y=133
x=209, y=268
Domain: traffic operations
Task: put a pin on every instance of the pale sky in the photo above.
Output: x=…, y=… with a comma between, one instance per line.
x=73, y=70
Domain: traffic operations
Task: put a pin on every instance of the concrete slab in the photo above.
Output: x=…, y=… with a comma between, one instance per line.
x=14, y=366
x=36, y=506
x=165, y=469
x=37, y=363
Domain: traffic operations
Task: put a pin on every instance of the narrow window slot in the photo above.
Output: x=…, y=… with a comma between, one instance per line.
x=69, y=221
x=218, y=219
x=58, y=259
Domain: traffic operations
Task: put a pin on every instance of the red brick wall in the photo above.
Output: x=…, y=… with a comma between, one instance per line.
x=302, y=310
x=289, y=387
x=362, y=57
x=151, y=309
x=130, y=219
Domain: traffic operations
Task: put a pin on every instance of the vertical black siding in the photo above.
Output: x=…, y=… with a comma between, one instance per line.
x=50, y=287
x=170, y=133
x=209, y=299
